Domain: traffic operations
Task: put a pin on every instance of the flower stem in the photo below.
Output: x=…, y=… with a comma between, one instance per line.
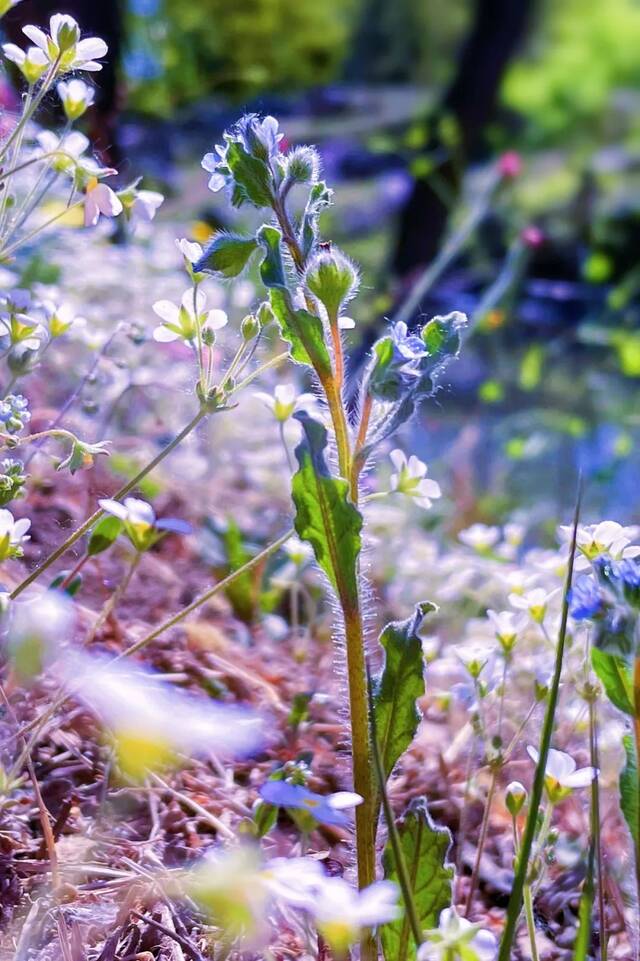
x=516, y=899
x=115, y=598
x=531, y=924
x=484, y=828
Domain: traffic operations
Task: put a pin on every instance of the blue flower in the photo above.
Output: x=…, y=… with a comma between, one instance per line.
x=327, y=809
x=586, y=600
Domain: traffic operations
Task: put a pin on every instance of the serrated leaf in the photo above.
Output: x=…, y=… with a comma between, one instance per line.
x=252, y=179
x=425, y=848
x=398, y=686
x=325, y=517
x=227, y=255
x=103, y=535
x=615, y=676
x=629, y=791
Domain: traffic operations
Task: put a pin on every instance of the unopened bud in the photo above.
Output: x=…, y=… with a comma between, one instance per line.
x=250, y=327
x=515, y=798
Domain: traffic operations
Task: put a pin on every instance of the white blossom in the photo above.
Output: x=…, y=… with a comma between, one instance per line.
x=410, y=478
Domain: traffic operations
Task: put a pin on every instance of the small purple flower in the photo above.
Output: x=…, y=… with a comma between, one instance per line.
x=586, y=600
x=327, y=809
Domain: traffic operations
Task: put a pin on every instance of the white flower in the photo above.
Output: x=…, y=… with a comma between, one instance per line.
x=480, y=537
x=284, y=401
x=13, y=534
x=190, y=250
x=61, y=318
x=507, y=626
x=31, y=64
x=142, y=711
x=100, y=199
x=456, y=939
x=76, y=96
x=341, y=912
x=181, y=322
x=607, y=537
x=410, y=478
x=37, y=628
x=534, y=602
x=560, y=775
x=146, y=204
x=140, y=523
x=63, y=45
x=65, y=152
x=294, y=881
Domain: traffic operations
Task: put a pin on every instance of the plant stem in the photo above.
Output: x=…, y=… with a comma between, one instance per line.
x=484, y=828
x=340, y=426
x=636, y=734
x=124, y=490
x=202, y=598
x=115, y=598
x=358, y=463
x=516, y=899
x=531, y=924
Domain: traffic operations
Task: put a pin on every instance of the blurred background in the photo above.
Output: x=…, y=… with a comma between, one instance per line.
x=485, y=156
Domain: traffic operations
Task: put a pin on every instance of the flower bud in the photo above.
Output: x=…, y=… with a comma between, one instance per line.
x=333, y=279
x=515, y=798
x=265, y=314
x=250, y=327
x=302, y=165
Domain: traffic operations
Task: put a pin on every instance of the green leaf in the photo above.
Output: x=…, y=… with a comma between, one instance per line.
x=615, y=676
x=399, y=685
x=103, y=535
x=629, y=792
x=272, y=269
x=325, y=517
x=425, y=848
x=227, y=255
x=252, y=177
x=302, y=331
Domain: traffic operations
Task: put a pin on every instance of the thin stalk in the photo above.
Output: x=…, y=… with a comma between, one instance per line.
x=202, y=598
x=115, y=598
x=636, y=734
x=516, y=899
x=7, y=251
x=340, y=426
x=124, y=490
x=585, y=912
x=531, y=924
x=398, y=854
x=484, y=828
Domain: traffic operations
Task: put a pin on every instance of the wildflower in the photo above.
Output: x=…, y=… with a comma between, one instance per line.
x=560, y=775
x=152, y=721
x=60, y=319
x=284, y=401
x=65, y=153
x=183, y=322
x=456, y=939
x=507, y=627
x=76, y=97
x=294, y=881
x=410, y=478
x=515, y=798
x=585, y=599
x=341, y=913
x=31, y=64
x=260, y=139
x=475, y=655
x=12, y=480
x=99, y=199
x=63, y=47
x=140, y=205
x=82, y=455
x=326, y=809
x=140, y=523
x=14, y=413
x=595, y=540
x=480, y=537
x=534, y=602
x=333, y=279
x=13, y=534
x=190, y=250
x=36, y=629
x=626, y=577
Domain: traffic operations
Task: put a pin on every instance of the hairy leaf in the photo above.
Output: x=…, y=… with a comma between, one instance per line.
x=227, y=255
x=398, y=686
x=325, y=517
x=302, y=331
x=615, y=675
x=629, y=793
x=425, y=848
x=272, y=269
x=252, y=179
